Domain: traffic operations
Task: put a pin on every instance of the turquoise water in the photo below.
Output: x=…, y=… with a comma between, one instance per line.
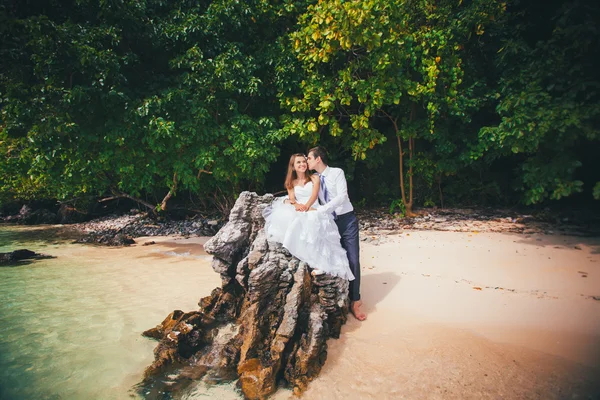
x=70, y=326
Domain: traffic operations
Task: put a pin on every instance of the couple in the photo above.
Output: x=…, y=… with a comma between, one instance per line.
x=316, y=223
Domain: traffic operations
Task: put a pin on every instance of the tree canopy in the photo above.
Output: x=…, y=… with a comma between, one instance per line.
x=480, y=100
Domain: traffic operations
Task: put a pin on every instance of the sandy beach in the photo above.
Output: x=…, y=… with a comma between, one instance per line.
x=465, y=315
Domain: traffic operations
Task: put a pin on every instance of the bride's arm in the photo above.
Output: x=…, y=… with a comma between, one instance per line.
x=291, y=197
x=292, y=200
x=315, y=192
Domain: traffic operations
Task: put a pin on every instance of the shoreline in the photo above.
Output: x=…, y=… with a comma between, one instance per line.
x=375, y=225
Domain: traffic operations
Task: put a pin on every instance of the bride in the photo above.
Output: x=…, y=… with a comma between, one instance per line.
x=309, y=234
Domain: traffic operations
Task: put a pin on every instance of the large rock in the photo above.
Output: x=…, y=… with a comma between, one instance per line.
x=268, y=323
x=36, y=217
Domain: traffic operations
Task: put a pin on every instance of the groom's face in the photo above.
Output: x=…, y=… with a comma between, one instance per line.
x=312, y=162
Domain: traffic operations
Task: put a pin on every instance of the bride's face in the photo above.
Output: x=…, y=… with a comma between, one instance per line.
x=300, y=164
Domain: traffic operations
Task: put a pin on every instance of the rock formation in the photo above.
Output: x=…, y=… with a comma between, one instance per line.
x=267, y=325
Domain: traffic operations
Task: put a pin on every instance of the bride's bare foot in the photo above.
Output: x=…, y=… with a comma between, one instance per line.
x=317, y=272
x=355, y=310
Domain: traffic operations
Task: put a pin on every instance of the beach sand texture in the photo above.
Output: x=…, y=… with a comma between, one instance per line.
x=471, y=316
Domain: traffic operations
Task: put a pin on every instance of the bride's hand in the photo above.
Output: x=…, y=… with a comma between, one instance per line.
x=300, y=207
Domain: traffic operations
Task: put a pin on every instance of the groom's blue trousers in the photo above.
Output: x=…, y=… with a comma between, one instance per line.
x=348, y=226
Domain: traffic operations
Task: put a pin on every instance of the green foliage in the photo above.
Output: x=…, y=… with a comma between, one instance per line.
x=429, y=202
x=596, y=192
x=151, y=97
x=137, y=97
x=367, y=60
x=374, y=70
x=548, y=96
x=399, y=205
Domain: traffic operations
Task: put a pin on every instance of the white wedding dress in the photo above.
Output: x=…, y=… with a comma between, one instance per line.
x=311, y=236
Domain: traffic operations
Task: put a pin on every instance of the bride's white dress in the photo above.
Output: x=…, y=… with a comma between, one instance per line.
x=311, y=236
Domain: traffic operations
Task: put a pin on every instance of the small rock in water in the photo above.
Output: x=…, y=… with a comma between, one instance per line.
x=15, y=256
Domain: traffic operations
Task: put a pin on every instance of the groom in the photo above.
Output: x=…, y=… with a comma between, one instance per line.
x=333, y=195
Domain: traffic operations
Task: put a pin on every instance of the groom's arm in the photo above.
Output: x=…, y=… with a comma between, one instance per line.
x=341, y=188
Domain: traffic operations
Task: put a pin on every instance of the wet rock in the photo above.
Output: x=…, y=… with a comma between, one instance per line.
x=268, y=324
x=14, y=257
x=122, y=240
x=108, y=238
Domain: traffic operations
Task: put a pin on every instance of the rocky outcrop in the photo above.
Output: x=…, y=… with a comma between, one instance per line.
x=36, y=217
x=119, y=230
x=267, y=325
x=16, y=256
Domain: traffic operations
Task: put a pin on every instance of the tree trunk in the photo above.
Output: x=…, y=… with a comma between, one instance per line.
x=163, y=203
x=407, y=204
x=439, y=182
x=401, y=163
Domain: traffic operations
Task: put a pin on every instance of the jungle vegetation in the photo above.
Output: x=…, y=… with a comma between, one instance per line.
x=422, y=102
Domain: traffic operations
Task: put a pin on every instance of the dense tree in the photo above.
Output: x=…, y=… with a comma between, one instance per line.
x=147, y=99
x=372, y=66
x=548, y=95
x=137, y=97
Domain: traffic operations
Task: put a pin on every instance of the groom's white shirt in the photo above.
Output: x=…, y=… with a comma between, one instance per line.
x=335, y=181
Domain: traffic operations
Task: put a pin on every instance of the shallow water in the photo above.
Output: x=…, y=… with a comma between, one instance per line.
x=70, y=326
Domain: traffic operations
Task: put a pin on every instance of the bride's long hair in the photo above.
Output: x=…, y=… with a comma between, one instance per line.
x=291, y=173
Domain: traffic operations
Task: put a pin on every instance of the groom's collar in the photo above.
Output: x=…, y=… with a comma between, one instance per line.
x=326, y=171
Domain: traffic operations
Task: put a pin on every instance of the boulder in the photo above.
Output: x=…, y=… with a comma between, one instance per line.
x=36, y=217
x=267, y=325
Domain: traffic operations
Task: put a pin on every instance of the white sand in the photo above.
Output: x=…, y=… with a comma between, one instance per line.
x=462, y=316
x=467, y=315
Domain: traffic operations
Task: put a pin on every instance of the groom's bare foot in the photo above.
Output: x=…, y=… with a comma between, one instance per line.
x=356, y=311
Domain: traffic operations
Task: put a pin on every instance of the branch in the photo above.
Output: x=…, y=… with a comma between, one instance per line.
x=203, y=171
x=109, y=199
x=119, y=194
